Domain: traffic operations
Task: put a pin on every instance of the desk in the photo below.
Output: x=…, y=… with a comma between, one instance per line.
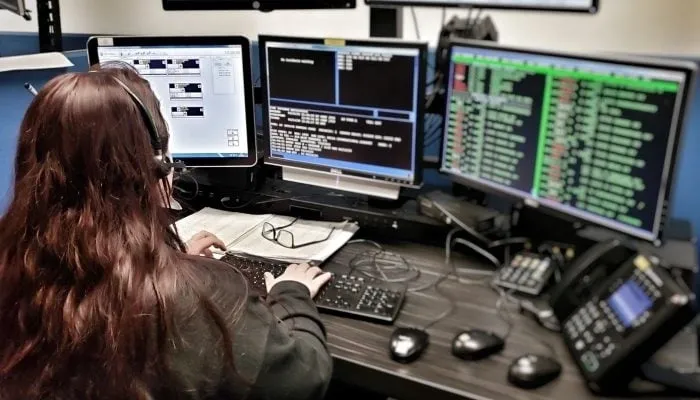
x=360, y=349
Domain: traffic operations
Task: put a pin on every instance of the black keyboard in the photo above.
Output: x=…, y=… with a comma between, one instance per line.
x=351, y=296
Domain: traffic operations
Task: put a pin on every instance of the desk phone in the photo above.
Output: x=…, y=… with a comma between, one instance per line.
x=527, y=273
x=626, y=317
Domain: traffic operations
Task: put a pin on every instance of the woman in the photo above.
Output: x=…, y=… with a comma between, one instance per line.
x=99, y=298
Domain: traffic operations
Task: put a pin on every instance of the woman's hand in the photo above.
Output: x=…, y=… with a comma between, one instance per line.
x=311, y=277
x=201, y=243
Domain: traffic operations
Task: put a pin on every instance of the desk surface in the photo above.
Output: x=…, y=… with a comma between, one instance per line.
x=360, y=349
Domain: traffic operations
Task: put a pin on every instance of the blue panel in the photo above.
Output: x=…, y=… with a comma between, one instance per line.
x=686, y=197
x=14, y=44
x=14, y=100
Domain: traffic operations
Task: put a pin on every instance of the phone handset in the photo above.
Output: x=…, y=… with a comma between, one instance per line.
x=579, y=278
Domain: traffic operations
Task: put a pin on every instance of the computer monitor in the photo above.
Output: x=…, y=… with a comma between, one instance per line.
x=205, y=87
x=591, y=137
x=263, y=5
x=586, y=6
x=344, y=114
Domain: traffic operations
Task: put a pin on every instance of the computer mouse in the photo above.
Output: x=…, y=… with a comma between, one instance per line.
x=408, y=344
x=475, y=344
x=532, y=371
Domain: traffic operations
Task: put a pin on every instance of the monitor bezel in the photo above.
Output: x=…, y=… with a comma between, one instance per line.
x=594, y=9
x=194, y=162
x=262, y=5
x=420, y=109
x=668, y=182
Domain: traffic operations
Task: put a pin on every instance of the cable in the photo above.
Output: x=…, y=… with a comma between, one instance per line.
x=385, y=266
x=476, y=20
x=372, y=242
x=444, y=14
x=452, y=270
x=181, y=190
x=450, y=308
x=280, y=199
x=508, y=242
x=436, y=90
x=436, y=284
x=476, y=234
x=415, y=23
x=237, y=207
x=481, y=251
x=382, y=265
x=504, y=314
x=528, y=306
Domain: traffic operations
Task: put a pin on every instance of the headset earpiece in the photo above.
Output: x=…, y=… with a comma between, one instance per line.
x=163, y=163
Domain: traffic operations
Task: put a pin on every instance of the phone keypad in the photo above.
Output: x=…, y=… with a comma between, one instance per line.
x=593, y=334
x=527, y=273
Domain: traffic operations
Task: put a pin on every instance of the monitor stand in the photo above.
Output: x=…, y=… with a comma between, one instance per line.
x=382, y=189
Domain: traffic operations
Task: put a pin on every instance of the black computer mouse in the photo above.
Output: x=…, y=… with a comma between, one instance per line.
x=532, y=371
x=408, y=344
x=475, y=344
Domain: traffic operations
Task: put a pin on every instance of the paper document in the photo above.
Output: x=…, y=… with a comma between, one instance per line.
x=242, y=233
x=34, y=61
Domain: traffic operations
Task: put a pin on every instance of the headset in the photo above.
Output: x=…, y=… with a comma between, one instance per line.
x=163, y=163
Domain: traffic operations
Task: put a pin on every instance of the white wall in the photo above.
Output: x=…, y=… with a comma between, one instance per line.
x=644, y=26
x=14, y=23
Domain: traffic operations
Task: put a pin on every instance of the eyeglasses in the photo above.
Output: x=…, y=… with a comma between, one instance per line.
x=285, y=238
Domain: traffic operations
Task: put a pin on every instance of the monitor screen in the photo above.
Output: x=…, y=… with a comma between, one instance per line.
x=345, y=107
x=202, y=89
x=588, y=6
x=593, y=138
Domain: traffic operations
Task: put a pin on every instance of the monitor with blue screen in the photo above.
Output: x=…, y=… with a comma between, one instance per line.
x=344, y=114
x=204, y=85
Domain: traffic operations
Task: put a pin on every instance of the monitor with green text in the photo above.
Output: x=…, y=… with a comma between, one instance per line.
x=592, y=137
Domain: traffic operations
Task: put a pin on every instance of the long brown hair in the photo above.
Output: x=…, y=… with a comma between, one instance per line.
x=87, y=262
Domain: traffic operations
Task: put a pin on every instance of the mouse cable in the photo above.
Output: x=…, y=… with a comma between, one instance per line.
x=504, y=313
x=452, y=270
x=506, y=298
x=451, y=306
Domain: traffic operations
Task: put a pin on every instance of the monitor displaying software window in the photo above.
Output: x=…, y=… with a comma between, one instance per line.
x=204, y=88
x=347, y=109
x=591, y=137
